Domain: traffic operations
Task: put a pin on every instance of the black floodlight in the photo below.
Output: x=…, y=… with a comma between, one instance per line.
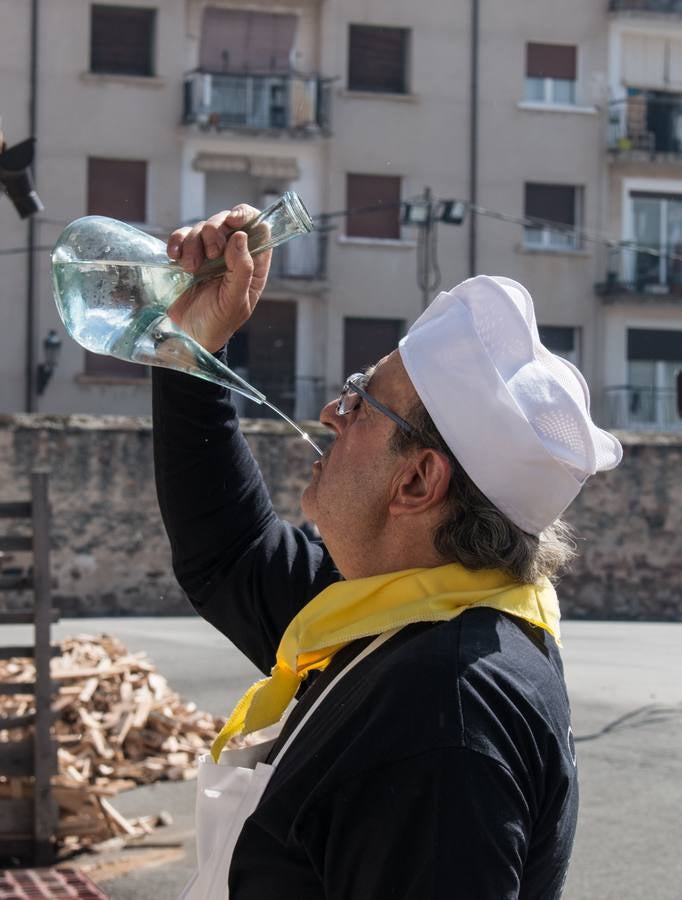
x=16, y=179
x=416, y=213
x=452, y=212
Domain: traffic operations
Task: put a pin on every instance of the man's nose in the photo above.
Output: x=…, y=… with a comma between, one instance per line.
x=331, y=419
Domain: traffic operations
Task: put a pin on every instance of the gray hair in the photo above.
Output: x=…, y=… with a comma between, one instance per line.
x=473, y=531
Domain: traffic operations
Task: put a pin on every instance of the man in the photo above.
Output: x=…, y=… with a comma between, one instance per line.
x=443, y=764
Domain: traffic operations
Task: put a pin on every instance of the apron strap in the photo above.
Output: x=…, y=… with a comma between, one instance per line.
x=370, y=648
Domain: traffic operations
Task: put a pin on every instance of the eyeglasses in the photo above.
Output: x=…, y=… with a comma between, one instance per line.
x=355, y=389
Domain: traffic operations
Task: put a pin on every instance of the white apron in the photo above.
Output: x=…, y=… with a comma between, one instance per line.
x=229, y=792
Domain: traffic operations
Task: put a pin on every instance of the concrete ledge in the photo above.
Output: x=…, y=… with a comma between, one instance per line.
x=137, y=81
x=274, y=427
x=51, y=422
x=648, y=439
x=557, y=108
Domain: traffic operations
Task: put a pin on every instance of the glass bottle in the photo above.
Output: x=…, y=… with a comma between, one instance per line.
x=114, y=283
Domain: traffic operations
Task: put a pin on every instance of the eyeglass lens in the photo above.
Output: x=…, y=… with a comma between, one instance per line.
x=349, y=398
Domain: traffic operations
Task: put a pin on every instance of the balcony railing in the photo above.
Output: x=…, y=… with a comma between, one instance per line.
x=654, y=271
x=642, y=409
x=646, y=123
x=304, y=258
x=647, y=6
x=262, y=102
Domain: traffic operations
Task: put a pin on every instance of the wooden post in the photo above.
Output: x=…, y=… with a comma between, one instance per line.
x=44, y=812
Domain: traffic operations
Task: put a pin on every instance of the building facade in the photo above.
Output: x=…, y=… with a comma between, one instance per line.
x=564, y=136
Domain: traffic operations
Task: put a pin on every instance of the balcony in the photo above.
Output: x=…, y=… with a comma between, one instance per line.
x=653, y=274
x=276, y=103
x=304, y=259
x=646, y=127
x=642, y=409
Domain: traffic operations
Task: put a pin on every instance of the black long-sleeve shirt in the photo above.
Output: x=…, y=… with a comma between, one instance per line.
x=442, y=766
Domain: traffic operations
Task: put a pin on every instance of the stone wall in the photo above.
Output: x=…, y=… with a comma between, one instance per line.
x=628, y=525
x=110, y=553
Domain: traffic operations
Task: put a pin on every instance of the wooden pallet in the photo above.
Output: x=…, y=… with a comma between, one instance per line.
x=29, y=824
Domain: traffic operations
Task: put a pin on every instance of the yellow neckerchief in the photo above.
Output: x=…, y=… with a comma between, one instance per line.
x=348, y=610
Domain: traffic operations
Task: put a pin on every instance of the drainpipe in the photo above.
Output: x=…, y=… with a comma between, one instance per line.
x=31, y=235
x=473, y=137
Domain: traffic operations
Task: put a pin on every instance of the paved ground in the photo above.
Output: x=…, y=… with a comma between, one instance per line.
x=625, y=682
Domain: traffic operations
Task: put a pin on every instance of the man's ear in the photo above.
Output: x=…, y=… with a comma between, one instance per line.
x=422, y=484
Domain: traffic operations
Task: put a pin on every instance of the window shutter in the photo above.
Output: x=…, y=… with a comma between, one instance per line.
x=367, y=340
x=644, y=60
x=558, y=338
x=551, y=61
x=382, y=191
x=270, y=41
x=659, y=344
x=240, y=41
x=377, y=59
x=551, y=202
x=268, y=352
x=121, y=40
x=118, y=188
x=654, y=195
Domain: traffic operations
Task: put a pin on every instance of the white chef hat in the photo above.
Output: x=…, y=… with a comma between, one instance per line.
x=516, y=416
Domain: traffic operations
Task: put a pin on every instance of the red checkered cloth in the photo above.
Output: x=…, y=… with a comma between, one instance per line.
x=47, y=884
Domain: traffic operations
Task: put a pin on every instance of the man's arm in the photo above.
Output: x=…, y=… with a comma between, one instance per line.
x=245, y=570
x=449, y=823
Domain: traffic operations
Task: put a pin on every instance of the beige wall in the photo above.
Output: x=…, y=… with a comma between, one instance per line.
x=82, y=115
x=519, y=144
x=423, y=137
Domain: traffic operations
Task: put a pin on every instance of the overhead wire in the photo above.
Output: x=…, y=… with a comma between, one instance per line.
x=580, y=235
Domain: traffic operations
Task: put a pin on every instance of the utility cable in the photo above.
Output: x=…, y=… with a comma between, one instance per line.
x=581, y=235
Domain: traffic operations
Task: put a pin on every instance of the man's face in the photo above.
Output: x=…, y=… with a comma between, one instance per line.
x=350, y=487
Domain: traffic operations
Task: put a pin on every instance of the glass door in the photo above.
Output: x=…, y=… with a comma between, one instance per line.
x=646, y=267
x=655, y=265
x=652, y=395
x=673, y=244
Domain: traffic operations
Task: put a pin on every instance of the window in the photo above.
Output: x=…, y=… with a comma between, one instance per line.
x=366, y=340
x=116, y=188
x=264, y=352
x=551, y=72
x=657, y=225
x=379, y=193
x=121, y=40
x=562, y=340
x=377, y=59
x=553, y=204
x=654, y=364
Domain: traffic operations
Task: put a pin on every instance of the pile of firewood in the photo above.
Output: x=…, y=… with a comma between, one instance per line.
x=117, y=725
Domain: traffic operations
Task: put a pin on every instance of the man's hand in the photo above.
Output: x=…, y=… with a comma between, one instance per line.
x=212, y=312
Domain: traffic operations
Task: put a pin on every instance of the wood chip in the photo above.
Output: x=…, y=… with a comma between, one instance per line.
x=117, y=724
